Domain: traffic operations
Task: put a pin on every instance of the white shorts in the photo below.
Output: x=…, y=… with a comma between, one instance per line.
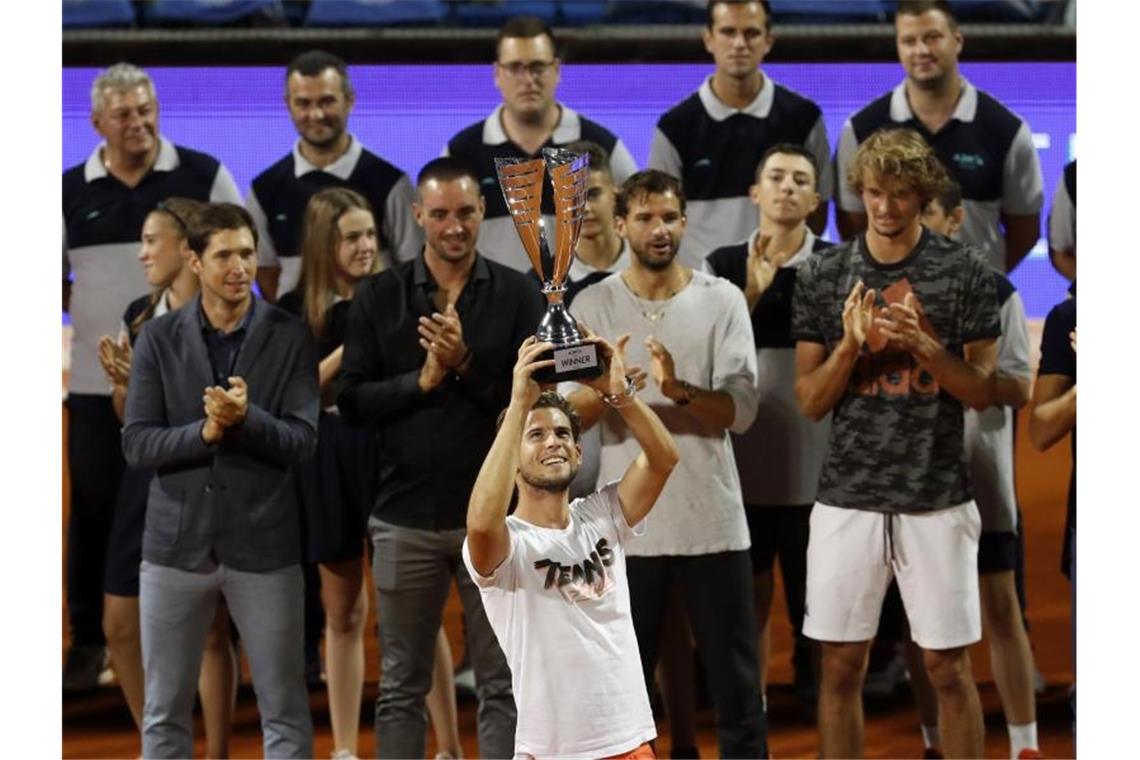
x=934, y=556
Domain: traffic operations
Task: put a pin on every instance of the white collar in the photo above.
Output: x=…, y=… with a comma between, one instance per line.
x=580, y=269
x=760, y=106
x=342, y=168
x=166, y=161
x=965, y=111
x=568, y=129
x=162, y=305
x=799, y=257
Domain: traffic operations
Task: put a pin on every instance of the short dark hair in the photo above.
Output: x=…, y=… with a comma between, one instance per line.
x=446, y=169
x=213, y=217
x=525, y=27
x=645, y=183
x=312, y=63
x=767, y=6
x=788, y=149
x=948, y=194
x=599, y=158
x=552, y=400
x=919, y=7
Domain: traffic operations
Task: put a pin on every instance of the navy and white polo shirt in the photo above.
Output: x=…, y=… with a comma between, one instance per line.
x=482, y=142
x=986, y=147
x=714, y=149
x=102, y=222
x=1063, y=213
x=279, y=195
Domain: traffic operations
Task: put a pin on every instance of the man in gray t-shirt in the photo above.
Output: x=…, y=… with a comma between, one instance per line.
x=693, y=333
x=895, y=332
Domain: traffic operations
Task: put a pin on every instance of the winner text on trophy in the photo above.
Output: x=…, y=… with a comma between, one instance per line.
x=521, y=182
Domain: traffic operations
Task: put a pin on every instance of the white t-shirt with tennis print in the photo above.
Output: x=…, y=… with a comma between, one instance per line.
x=559, y=605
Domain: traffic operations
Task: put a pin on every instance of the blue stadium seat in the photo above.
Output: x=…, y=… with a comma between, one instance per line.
x=583, y=12
x=495, y=12
x=658, y=12
x=375, y=12
x=207, y=12
x=995, y=11
x=829, y=11
x=86, y=14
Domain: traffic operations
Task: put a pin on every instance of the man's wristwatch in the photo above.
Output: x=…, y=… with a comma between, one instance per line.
x=686, y=393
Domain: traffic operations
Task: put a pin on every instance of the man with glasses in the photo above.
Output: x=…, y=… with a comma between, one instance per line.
x=527, y=72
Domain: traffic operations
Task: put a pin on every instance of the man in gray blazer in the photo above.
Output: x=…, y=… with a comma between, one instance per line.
x=223, y=405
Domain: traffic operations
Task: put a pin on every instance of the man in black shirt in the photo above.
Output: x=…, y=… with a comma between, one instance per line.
x=780, y=457
x=427, y=360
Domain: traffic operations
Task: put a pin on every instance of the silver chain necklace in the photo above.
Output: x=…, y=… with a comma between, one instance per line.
x=651, y=313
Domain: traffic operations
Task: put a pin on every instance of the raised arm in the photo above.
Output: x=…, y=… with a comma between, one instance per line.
x=488, y=541
x=821, y=377
x=646, y=475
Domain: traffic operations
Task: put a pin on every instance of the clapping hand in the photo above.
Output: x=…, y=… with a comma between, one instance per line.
x=858, y=314
x=763, y=265
x=442, y=335
x=901, y=325
x=115, y=357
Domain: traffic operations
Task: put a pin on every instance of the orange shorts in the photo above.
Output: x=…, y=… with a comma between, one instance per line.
x=640, y=752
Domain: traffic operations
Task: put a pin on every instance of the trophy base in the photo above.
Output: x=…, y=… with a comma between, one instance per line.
x=580, y=362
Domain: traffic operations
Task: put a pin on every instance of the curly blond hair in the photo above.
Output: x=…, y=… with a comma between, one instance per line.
x=898, y=154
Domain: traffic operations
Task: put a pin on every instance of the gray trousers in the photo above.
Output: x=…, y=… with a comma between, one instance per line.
x=176, y=608
x=413, y=570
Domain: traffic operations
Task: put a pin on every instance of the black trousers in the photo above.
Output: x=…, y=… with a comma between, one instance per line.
x=717, y=591
x=783, y=532
x=95, y=465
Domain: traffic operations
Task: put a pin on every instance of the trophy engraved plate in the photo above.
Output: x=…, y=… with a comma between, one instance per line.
x=521, y=182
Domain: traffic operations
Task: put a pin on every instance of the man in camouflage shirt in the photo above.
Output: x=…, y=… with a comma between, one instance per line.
x=895, y=332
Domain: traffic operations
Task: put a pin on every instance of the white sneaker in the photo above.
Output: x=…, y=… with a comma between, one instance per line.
x=344, y=754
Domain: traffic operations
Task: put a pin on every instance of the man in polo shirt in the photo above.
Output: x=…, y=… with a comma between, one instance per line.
x=105, y=201
x=780, y=457
x=320, y=97
x=713, y=140
x=527, y=72
x=1063, y=224
x=986, y=147
x=428, y=362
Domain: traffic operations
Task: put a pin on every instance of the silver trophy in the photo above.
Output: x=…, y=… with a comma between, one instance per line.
x=521, y=182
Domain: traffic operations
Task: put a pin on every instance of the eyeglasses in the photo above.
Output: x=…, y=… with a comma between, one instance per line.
x=536, y=69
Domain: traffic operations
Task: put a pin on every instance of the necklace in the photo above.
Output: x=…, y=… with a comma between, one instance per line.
x=644, y=305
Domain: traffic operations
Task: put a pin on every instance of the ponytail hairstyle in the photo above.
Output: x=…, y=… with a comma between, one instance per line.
x=180, y=212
